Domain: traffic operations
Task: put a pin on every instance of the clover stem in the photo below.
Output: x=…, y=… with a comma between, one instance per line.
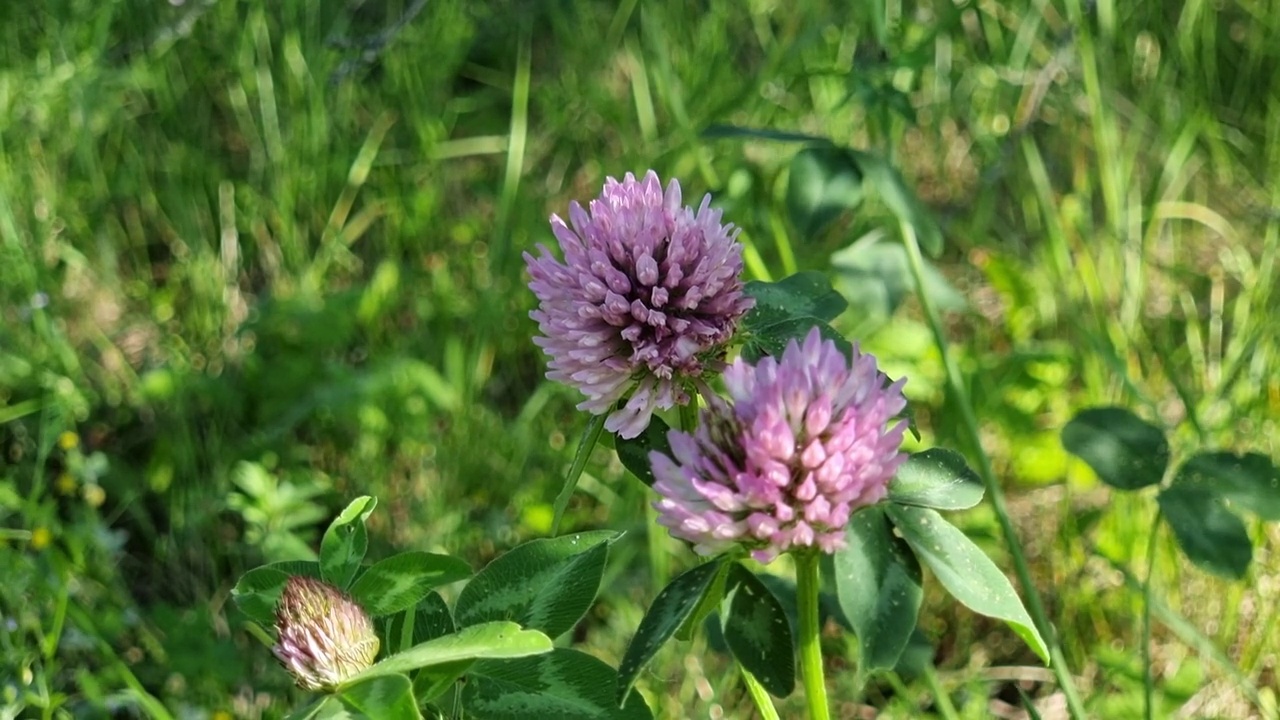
x=807, y=582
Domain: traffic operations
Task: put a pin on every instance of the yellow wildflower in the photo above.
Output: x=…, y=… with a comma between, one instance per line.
x=40, y=538
x=68, y=440
x=65, y=484
x=94, y=495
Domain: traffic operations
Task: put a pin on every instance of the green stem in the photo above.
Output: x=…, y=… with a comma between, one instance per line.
x=764, y=703
x=590, y=436
x=941, y=700
x=783, y=241
x=1148, y=682
x=956, y=387
x=807, y=581
x=59, y=620
x=656, y=540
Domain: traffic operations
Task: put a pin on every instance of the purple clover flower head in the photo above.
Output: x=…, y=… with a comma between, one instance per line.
x=803, y=444
x=323, y=636
x=648, y=293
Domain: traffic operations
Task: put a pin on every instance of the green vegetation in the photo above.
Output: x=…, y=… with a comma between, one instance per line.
x=259, y=259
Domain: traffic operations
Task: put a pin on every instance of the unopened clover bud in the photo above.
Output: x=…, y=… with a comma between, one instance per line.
x=324, y=637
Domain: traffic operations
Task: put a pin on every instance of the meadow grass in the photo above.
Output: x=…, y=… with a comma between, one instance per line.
x=262, y=258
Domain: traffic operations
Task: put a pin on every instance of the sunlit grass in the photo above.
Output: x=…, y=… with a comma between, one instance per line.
x=216, y=248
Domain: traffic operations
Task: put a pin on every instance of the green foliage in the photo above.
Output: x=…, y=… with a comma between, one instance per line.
x=258, y=591
x=547, y=585
x=1126, y=452
x=787, y=310
x=1212, y=536
x=285, y=238
x=880, y=587
x=551, y=683
x=757, y=630
x=402, y=581
x=876, y=277
x=490, y=640
x=1249, y=481
x=280, y=515
x=1198, y=503
x=634, y=453
x=385, y=696
x=345, y=542
x=430, y=619
x=822, y=185
x=964, y=570
x=563, y=683
x=877, y=575
x=936, y=478
x=672, y=608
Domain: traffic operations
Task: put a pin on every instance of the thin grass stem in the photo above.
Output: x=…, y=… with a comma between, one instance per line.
x=941, y=700
x=969, y=423
x=1148, y=681
x=590, y=436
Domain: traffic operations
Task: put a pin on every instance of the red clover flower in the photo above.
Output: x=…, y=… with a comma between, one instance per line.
x=648, y=293
x=802, y=445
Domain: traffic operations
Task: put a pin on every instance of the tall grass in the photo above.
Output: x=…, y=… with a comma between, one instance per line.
x=290, y=236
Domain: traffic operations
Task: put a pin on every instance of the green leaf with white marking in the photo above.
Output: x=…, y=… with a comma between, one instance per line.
x=756, y=629
x=879, y=584
x=546, y=584
x=402, y=581
x=344, y=544
x=564, y=684
x=963, y=569
x=669, y=611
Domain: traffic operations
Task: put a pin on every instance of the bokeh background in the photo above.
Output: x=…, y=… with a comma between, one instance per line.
x=258, y=258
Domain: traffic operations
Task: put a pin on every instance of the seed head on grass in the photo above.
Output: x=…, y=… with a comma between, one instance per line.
x=801, y=445
x=324, y=637
x=647, y=294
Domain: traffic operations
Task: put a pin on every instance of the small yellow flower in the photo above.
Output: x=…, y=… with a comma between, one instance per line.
x=68, y=440
x=65, y=484
x=94, y=495
x=222, y=715
x=40, y=538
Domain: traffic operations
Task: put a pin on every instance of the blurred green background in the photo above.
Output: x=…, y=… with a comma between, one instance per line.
x=256, y=259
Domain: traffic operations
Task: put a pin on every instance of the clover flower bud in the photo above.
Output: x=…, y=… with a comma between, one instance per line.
x=324, y=637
